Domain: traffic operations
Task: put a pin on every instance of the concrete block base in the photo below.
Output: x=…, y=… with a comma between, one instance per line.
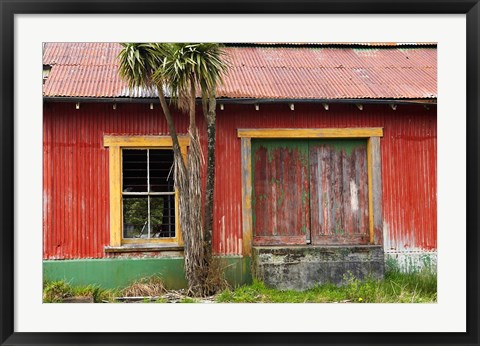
x=303, y=267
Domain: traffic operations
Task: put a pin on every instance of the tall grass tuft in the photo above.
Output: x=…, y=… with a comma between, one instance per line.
x=145, y=287
x=57, y=291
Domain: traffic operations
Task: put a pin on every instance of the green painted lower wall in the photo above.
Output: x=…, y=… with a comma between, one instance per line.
x=117, y=273
x=411, y=261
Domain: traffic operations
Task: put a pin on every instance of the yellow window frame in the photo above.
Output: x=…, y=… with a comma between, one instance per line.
x=115, y=145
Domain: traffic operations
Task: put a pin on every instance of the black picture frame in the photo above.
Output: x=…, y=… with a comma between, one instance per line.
x=8, y=10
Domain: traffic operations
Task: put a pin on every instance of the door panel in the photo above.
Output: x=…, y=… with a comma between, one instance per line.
x=338, y=191
x=280, y=201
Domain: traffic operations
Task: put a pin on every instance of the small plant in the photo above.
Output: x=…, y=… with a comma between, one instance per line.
x=391, y=265
x=56, y=291
x=187, y=300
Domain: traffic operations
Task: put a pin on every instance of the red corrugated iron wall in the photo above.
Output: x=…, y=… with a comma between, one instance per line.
x=409, y=171
x=75, y=173
x=76, y=193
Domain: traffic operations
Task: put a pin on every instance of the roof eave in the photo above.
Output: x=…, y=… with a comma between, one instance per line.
x=244, y=100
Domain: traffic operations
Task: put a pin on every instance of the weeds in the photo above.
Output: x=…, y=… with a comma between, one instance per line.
x=57, y=291
x=215, y=281
x=397, y=287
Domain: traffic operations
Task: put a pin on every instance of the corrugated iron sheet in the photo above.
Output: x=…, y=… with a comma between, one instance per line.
x=372, y=72
x=76, y=196
x=326, y=44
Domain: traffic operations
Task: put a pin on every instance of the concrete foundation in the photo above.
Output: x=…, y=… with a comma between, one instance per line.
x=303, y=267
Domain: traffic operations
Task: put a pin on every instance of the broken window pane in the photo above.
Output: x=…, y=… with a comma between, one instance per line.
x=148, y=194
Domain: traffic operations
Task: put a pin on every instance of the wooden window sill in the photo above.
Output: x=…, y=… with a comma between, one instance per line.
x=144, y=248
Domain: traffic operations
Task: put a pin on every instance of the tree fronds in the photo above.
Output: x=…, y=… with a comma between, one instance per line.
x=204, y=63
x=184, y=68
x=138, y=63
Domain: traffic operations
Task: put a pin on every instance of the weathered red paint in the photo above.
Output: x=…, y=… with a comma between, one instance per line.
x=310, y=190
x=280, y=192
x=339, y=192
x=76, y=196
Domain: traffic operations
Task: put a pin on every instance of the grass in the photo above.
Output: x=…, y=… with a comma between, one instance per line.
x=56, y=291
x=187, y=300
x=397, y=287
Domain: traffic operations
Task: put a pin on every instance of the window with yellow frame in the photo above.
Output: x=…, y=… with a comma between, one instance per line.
x=143, y=200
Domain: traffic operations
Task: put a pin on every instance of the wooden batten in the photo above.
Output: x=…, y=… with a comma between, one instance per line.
x=376, y=184
x=312, y=133
x=144, y=141
x=115, y=170
x=247, y=220
x=370, y=191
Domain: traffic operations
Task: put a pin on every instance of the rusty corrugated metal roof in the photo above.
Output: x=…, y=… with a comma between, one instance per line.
x=323, y=44
x=263, y=72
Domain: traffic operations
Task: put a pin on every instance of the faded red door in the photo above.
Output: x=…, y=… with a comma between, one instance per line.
x=310, y=191
x=280, y=192
x=338, y=191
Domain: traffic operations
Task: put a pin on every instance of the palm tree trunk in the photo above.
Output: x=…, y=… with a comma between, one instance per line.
x=196, y=268
x=210, y=184
x=182, y=184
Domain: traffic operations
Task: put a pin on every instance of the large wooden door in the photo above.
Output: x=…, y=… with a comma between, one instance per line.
x=338, y=191
x=310, y=191
x=280, y=192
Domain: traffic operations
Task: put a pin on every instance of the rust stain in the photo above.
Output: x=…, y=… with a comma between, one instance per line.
x=320, y=72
